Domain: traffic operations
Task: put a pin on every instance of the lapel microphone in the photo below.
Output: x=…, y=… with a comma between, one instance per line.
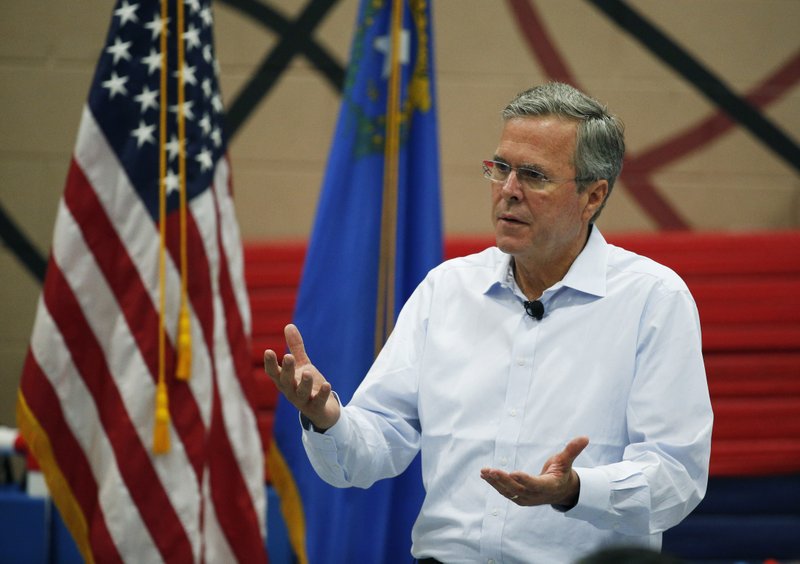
x=535, y=309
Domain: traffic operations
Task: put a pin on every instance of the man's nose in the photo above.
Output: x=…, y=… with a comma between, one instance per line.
x=512, y=187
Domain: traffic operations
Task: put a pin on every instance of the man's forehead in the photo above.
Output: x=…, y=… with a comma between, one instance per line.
x=539, y=134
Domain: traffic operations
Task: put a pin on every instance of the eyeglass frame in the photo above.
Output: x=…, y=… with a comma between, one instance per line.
x=531, y=178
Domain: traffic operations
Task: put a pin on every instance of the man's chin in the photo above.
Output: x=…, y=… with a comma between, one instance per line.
x=507, y=245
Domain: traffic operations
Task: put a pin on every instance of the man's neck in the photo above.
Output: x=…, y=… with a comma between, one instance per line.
x=536, y=274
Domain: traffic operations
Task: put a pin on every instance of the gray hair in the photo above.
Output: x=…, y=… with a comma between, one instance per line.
x=600, y=144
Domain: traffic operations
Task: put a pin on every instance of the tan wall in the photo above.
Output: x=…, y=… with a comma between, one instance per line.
x=48, y=50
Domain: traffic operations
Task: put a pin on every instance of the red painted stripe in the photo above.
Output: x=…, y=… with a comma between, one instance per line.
x=121, y=274
x=133, y=460
x=69, y=456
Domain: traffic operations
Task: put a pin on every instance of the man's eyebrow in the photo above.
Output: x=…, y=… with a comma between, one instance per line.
x=530, y=166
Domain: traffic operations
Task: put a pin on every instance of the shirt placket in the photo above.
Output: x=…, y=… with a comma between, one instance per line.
x=506, y=441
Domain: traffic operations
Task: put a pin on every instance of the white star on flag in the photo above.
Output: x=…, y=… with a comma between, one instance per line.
x=173, y=148
x=144, y=133
x=205, y=160
x=186, y=109
x=147, y=99
x=216, y=136
x=205, y=124
x=116, y=85
x=188, y=75
x=126, y=13
x=155, y=26
x=192, y=37
x=384, y=45
x=153, y=61
x=216, y=102
x=172, y=181
x=205, y=15
x=119, y=50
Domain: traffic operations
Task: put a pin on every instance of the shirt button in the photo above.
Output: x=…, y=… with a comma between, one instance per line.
x=503, y=461
x=494, y=512
x=512, y=412
x=490, y=561
x=520, y=362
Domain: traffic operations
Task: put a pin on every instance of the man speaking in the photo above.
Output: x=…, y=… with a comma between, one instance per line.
x=554, y=383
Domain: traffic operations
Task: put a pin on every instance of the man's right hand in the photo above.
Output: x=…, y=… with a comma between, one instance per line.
x=302, y=384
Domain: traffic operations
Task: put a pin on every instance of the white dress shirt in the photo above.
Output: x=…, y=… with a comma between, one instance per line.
x=474, y=382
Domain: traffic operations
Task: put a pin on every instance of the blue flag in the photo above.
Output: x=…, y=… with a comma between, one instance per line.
x=377, y=233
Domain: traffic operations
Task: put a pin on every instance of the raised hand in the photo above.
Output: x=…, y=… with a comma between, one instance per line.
x=302, y=384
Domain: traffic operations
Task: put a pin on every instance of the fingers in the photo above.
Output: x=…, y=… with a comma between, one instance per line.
x=505, y=484
x=283, y=375
x=317, y=399
x=306, y=393
x=305, y=387
x=300, y=391
x=295, y=343
x=271, y=366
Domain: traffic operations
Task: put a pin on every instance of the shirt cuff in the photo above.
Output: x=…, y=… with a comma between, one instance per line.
x=594, y=497
x=327, y=443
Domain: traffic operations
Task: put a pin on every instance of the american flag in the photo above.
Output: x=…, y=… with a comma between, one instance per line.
x=87, y=395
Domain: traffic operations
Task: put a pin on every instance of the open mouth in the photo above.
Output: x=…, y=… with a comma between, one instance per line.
x=511, y=220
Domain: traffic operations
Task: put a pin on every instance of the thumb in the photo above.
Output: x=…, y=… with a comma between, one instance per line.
x=573, y=449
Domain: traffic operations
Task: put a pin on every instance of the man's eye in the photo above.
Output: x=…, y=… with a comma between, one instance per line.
x=502, y=168
x=530, y=175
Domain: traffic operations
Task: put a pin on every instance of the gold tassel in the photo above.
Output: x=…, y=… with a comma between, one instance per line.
x=184, y=370
x=161, y=428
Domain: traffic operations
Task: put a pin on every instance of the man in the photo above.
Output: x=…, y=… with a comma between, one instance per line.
x=552, y=351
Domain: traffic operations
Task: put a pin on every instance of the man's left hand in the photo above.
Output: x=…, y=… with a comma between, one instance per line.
x=558, y=484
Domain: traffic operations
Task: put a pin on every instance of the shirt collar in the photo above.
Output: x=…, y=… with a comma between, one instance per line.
x=587, y=273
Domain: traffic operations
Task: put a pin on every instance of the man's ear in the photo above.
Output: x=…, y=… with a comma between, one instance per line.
x=597, y=193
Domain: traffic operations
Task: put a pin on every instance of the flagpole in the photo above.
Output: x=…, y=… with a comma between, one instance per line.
x=384, y=322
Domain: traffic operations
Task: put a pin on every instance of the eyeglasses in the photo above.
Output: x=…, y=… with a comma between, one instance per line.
x=498, y=171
